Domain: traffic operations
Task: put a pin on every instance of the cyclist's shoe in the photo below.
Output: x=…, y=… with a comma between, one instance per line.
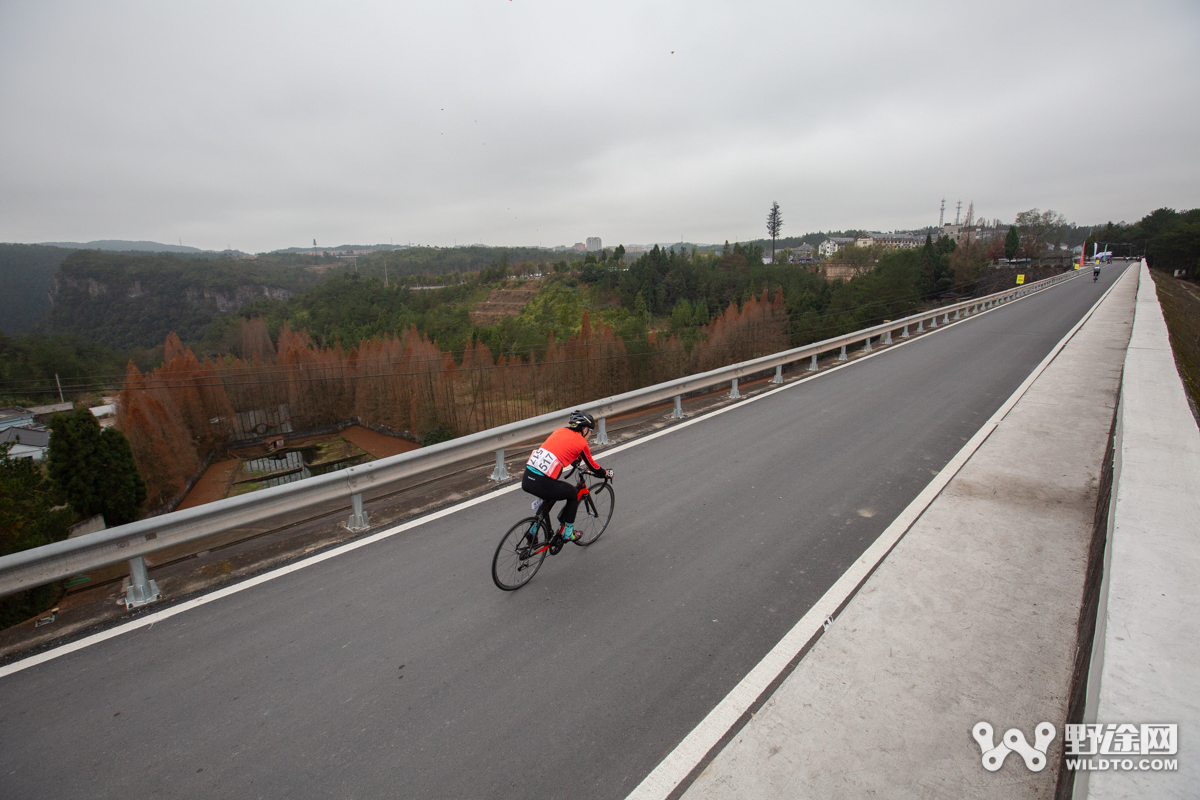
x=569, y=534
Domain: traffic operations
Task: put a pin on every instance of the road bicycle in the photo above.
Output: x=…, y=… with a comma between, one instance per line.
x=523, y=549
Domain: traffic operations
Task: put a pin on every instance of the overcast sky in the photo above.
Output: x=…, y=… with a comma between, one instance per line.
x=266, y=125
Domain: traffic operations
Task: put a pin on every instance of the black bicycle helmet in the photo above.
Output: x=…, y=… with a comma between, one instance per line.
x=579, y=420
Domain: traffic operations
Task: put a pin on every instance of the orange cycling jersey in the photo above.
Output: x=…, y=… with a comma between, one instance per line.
x=561, y=449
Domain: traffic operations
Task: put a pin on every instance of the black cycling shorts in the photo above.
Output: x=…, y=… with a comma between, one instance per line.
x=551, y=490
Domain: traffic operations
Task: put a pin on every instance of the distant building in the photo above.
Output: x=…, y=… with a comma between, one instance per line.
x=15, y=416
x=897, y=241
x=26, y=442
x=106, y=414
x=54, y=408
x=833, y=244
x=832, y=272
x=593, y=244
x=579, y=247
x=964, y=234
x=805, y=252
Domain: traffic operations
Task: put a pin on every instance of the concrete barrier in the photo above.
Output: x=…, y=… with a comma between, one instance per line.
x=1145, y=666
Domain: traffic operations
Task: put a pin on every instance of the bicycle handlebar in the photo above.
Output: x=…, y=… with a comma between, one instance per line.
x=575, y=466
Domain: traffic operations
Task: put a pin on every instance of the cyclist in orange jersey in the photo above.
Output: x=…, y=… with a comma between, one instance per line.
x=548, y=461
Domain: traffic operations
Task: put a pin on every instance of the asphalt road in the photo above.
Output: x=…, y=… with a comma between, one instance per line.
x=399, y=670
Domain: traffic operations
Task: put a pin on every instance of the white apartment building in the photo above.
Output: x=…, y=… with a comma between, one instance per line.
x=593, y=244
x=833, y=244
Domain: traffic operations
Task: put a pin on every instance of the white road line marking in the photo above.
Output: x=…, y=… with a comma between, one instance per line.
x=696, y=746
x=188, y=605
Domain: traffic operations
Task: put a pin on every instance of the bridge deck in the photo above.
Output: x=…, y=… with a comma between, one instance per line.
x=397, y=669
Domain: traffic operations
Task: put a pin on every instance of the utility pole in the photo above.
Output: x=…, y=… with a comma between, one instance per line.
x=941, y=216
x=957, y=211
x=60, y=394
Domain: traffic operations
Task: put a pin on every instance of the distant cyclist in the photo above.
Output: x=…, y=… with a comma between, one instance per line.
x=1096, y=273
x=547, y=462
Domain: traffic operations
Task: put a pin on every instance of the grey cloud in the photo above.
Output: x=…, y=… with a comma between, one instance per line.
x=525, y=122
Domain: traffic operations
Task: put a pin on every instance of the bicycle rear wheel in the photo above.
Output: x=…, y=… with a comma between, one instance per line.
x=594, y=513
x=518, y=556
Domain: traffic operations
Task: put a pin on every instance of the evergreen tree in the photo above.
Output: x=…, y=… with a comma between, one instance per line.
x=1011, y=242
x=639, y=307
x=73, y=456
x=774, y=226
x=29, y=517
x=121, y=487
x=681, y=316
x=94, y=469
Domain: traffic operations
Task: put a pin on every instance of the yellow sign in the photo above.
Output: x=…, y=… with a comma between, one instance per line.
x=1020, y=279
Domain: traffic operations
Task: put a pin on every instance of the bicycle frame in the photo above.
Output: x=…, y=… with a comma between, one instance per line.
x=543, y=512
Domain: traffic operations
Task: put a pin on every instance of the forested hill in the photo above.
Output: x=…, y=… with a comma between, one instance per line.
x=439, y=261
x=25, y=274
x=125, y=301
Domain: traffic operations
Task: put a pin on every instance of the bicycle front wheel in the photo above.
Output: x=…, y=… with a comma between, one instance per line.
x=594, y=513
x=518, y=556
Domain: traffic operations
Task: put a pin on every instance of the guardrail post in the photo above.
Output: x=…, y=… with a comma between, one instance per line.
x=602, y=433
x=933, y=322
x=887, y=338
x=958, y=313
x=678, y=412
x=904, y=333
x=920, y=326
x=358, y=517
x=734, y=394
x=812, y=365
x=500, y=473
x=778, y=374
x=141, y=589
x=946, y=318
x=867, y=345
x=842, y=356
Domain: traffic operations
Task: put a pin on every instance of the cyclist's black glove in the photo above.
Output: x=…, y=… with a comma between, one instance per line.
x=603, y=473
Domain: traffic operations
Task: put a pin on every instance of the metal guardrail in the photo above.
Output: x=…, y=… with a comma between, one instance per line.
x=41, y=565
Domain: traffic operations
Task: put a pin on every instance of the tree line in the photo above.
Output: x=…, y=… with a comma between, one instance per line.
x=1169, y=239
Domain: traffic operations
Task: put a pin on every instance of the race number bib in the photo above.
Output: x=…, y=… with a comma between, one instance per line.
x=543, y=461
